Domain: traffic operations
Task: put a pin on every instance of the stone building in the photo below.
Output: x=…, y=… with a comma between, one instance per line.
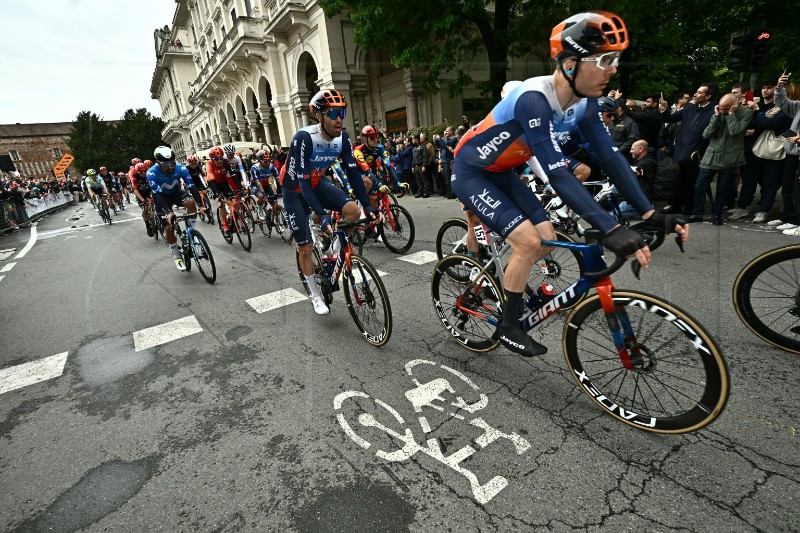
x=36, y=148
x=245, y=70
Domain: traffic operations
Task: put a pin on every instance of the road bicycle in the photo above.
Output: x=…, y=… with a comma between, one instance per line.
x=194, y=245
x=102, y=209
x=249, y=206
x=397, y=232
x=640, y=358
x=274, y=218
x=766, y=296
x=236, y=223
x=364, y=292
x=560, y=268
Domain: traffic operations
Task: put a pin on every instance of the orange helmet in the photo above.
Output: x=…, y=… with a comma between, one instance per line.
x=216, y=152
x=192, y=159
x=588, y=33
x=148, y=163
x=135, y=161
x=326, y=98
x=369, y=131
x=141, y=168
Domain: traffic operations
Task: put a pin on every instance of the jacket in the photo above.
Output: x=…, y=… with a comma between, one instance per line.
x=791, y=108
x=694, y=120
x=420, y=155
x=725, y=134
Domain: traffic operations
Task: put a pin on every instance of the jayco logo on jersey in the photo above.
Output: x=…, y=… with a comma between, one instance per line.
x=576, y=46
x=492, y=145
x=323, y=158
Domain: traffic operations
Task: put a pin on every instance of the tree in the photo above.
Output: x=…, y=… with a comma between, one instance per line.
x=95, y=142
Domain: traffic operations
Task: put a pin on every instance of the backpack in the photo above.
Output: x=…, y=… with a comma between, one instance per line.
x=666, y=180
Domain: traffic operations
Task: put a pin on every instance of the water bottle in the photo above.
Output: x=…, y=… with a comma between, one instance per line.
x=543, y=295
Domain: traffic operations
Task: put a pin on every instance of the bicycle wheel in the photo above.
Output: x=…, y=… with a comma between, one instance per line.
x=766, y=296
x=357, y=239
x=202, y=256
x=368, y=301
x=186, y=250
x=560, y=268
x=451, y=237
x=464, y=308
x=269, y=221
x=242, y=231
x=319, y=275
x=282, y=225
x=247, y=215
x=398, y=230
x=680, y=382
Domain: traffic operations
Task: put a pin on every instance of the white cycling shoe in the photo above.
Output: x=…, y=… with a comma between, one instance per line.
x=319, y=305
x=179, y=265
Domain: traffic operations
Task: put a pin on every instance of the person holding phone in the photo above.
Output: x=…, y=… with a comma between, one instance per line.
x=790, y=189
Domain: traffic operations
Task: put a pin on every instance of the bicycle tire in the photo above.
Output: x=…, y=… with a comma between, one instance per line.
x=247, y=215
x=766, y=296
x=282, y=225
x=319, y=275
x=450, y=238
x=186, y=250
x=203, y=257
x=564, y=267
x=398, y=231
x=367, y=301
x=228, y=238
x=266, y=225
x=690, y=361
x=483, y=298
x=357, y=239
x=242, y=231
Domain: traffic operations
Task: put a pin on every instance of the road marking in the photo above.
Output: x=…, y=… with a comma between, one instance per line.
x=276, y=300
x=88, y=226
x=26, y=374
x=7, y=267
x=30, y=244
x=5, y=254
x=164, y=333
x=1, y=278
x=420, y=258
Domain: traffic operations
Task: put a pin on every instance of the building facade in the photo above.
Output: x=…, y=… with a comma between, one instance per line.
x=245, y=70
x=36, y=148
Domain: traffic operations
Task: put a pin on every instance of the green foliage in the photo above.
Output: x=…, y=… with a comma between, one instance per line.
x=95, y=143
x=675, y=44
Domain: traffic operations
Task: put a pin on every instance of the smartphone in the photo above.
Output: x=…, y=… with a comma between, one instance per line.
x=757, y=99
x=789, y=133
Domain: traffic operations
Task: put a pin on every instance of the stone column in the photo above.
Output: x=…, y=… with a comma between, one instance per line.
x=241, y=122
x=232, y=132
x=412, y=112
x=361, y=105
x=252, y=124
x=265, y=112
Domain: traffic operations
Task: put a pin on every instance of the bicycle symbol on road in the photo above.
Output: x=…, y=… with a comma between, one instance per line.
x=430, y=395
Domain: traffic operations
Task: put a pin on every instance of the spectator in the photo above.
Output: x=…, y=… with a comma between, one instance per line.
x=427, y=168
x=419, y=157
x=787, y=98
x=624, y=130
x=725, y=133
x=407, y=167
x=646, y=165
x=448, y=147
x=649, y=122
x=768, y=117
x=689, y=144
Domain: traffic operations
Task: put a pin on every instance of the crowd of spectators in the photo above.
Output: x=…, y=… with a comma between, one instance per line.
x=16, y=191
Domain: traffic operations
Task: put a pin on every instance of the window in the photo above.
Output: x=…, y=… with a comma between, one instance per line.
x=222, y=29
x=194, y=35
x=14, y=155
x=56, y=152
x=233, y=16
x=248, y=8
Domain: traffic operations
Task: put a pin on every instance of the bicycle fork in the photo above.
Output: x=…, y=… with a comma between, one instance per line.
x=619, y=325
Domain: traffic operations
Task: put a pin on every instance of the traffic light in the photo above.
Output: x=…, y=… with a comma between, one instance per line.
x=759, y=50
x=741, y=48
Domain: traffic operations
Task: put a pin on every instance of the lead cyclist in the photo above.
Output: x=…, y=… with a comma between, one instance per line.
x=528, y=122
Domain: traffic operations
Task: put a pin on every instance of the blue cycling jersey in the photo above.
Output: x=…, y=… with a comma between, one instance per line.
x=168, y=183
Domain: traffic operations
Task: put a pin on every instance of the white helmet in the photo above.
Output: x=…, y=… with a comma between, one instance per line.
x=229, y=148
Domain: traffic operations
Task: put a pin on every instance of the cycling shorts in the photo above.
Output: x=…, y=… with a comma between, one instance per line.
x=165, y=201
x=221, y=190
x=146, y=193
x=499, y=199
x=297, y=210
x=98, y=190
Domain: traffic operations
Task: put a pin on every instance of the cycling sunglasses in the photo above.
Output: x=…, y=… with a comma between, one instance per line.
x=372, y=136
x=167, y=163
x=335, y=112
x=218, y=159
x=607, y=60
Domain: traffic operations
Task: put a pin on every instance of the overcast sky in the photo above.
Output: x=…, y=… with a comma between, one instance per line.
x=61, y=57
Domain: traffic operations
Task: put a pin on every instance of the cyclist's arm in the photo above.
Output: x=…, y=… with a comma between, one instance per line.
x=184, y=175
x=543, y=144
x=337, y=169
x=358, y=155
x=351, y=168
x=387, y=164
x=299, y=161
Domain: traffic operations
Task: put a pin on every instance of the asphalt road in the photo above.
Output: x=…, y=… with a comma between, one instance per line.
x=233, y=427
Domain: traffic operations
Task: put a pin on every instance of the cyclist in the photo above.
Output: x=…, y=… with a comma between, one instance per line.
x=141, y=189
x=314, y=149
x=114, y=187
x=165, y=181
x=260, y=175
x=370, y=157
x=96, y=187
x=125, y=184
x=234, y=160
x=223, y=182
x=528, y=121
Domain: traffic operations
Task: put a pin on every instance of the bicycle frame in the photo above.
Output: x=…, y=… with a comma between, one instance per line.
x=619, y=324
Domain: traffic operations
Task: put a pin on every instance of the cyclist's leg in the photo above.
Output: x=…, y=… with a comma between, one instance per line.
x=297, y=212
x=472, y=241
